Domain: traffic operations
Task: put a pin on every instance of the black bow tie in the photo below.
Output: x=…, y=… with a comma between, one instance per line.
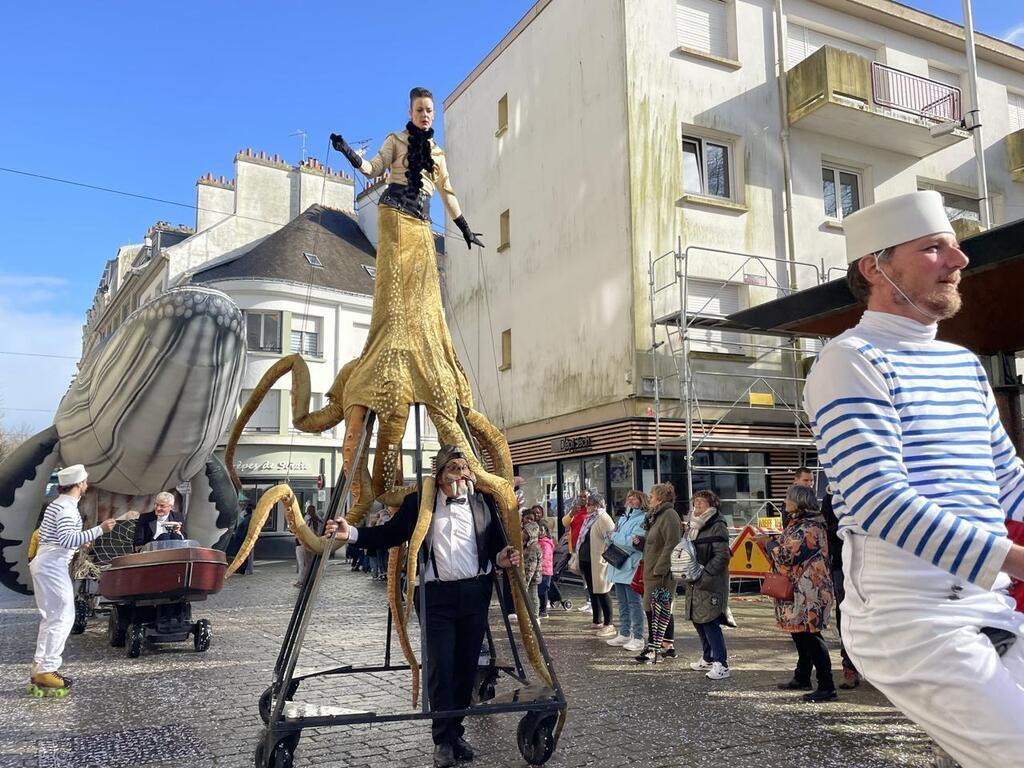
x=456, y=500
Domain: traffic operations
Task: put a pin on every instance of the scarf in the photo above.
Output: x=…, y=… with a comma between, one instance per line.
x=419, y=158
x=585, y=530
x=653, y=514
x=695, y=522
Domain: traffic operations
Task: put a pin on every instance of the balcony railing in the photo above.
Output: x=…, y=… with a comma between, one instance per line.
x=915, y=95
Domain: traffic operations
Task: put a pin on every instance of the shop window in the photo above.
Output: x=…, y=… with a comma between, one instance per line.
x=540, y=486
x=267, y=417
x=263, y=331
x=621, y=480
x=595, y=477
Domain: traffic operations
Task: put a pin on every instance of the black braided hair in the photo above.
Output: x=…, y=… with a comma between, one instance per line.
x=419, y=157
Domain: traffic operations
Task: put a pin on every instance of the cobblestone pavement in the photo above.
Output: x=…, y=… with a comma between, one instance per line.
x=175, y=707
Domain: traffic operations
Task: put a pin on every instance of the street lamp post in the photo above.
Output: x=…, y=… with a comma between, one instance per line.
x=972, y=119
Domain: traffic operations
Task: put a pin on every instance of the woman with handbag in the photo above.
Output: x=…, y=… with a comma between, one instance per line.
x=590, y=545
x=631, y=609
x=707, y=595
x=660, y=532
x=800, y=556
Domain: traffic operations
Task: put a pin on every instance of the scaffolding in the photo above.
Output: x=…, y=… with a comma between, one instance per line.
x=739, y=388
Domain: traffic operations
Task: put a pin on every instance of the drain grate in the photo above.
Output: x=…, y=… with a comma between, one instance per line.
x=163, y=744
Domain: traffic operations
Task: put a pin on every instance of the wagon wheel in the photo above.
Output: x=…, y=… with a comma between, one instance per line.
x=117, y=630
x=136, y=637
x=281, y=756
x=81, y=616
x=201, y=634
x=535, y=737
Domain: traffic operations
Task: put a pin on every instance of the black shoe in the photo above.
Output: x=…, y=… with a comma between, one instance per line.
x=820, y=696
x=444, y=756
x=462, y=750
x=668, y=653
x=794, y=685
x=647, y=656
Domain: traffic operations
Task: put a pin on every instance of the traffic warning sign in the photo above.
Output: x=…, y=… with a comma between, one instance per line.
x=748, y=558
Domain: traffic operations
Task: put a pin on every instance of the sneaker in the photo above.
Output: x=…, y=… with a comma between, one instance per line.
x=820, y=696
x=606, y=630
x=718, y=671
x=700, y=666
x=584, y=608
x=619, y=640
x=543, y=615
x=647, y=656
x=636, y=644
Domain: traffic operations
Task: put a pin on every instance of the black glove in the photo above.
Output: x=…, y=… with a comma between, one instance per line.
x=342, y=146
x=472, y=238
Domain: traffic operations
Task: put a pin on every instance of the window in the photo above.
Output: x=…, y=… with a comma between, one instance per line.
x=503, y=231
x=267, y=417
x=709, y=299
x=701, y=25
x=313, y=259
x=263, y=331
x=506, y=350
x=944, y=76
x=316, y=402
x=841, y=192
x=305, y=335
x=1015, y=104
x=707, y=168
x=802, y=41
x=371, y=271
x=502, y=115
x=958, y=206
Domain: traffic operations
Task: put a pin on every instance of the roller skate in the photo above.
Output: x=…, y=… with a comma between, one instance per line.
x=50, y=684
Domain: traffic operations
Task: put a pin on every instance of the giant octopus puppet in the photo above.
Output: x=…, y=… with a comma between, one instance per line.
x=144, y=414
x=408, y=358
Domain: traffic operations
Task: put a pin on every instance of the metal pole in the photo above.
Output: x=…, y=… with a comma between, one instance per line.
x=686, y=383
x=654, y=362
x=972, y=120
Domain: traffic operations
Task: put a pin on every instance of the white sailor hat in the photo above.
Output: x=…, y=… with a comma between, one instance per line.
x=71, y=475
x=894, y=221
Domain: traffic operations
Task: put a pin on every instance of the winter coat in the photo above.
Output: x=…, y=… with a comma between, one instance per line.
x=547, y=556
x=707, y=598
x=801, y=554
x=627, y=527
x=599, y=532
x=659, y=541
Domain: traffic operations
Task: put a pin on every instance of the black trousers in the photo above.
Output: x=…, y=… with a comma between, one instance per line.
x=454, y=630
x=839, y=588
x=600, y=605
x=812, y=651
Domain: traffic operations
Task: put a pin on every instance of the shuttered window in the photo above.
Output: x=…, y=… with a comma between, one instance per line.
x=1015, y=102
x=701, y=26
x=708, y=299
x=801, y=42
x=267, y=416
x=305, y=337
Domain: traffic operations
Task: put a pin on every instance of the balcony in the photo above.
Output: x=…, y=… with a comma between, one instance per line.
x=1015, y=154
x=841, y=94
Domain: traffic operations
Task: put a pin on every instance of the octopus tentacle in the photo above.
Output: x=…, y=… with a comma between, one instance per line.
x=419, y=534
x=401, y=621
x=491, y=441
x=259, y=517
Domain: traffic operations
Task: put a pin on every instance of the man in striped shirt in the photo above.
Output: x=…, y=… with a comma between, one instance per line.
x=60, y=536
x=908, y=432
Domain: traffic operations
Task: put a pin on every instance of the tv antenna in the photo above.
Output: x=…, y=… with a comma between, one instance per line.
x=302, y=134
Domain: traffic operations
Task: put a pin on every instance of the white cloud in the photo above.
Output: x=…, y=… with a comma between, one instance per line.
x=31, y=321
x=1015, y=35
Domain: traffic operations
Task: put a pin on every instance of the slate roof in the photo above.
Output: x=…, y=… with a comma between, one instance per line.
x=332, y=235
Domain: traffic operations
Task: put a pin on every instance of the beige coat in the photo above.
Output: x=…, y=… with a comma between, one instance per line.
x=394, y=156
x=599, y=531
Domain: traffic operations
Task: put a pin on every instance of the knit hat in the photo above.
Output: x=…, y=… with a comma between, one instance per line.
x=894, y=221
x=72, y=475
x=446, y=454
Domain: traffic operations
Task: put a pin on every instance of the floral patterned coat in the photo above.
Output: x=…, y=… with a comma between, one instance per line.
x=801, y=554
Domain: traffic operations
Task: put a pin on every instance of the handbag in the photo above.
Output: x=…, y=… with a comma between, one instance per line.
x=777, y=586
x=637, y=584
x=574, y=563
x=615, y=555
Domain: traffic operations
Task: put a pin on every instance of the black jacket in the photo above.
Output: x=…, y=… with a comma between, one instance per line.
x=835, y=544
x=145, y=526
x=490, y=535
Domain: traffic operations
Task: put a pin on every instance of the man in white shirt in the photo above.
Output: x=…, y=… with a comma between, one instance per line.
x=464, y=543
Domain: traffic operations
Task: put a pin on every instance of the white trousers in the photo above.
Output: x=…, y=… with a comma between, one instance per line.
x=913, y=631
x=300, y=560
x=55, y=598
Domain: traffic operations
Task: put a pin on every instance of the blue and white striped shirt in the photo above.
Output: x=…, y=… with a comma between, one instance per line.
x=62, y=525
x=908, y=432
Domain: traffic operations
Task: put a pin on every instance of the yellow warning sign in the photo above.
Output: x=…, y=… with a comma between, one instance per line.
x=748, y=557
x=762, y=398
x=773, y=523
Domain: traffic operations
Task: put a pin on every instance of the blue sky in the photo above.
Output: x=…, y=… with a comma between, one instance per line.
x=147, y=97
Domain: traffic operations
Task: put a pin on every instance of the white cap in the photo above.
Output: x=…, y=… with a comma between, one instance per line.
x=894, y=221
x=71, y=475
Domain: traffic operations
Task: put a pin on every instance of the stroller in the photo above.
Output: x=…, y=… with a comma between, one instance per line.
x=560, y=563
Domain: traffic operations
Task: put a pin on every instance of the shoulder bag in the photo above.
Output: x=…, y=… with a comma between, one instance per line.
x=777, y=586
x=615, y=555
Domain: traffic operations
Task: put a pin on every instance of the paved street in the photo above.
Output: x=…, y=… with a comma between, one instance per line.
x=174, y=707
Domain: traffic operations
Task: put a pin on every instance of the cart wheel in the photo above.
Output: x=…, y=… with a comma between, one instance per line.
x=483, y=685
x=115, y=629
x=81, y=617
x=567, y=605
x=201, y=634
x=281, y=756
x=535, y=737
x=136, y=636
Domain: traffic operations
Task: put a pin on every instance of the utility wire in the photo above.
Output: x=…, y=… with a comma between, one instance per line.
x=39, y=354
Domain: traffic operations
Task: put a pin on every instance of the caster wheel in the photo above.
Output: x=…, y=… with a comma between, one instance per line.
x=135, y=639
x=281, y=756
x=116, y=630
x=202, y=632
x=35, y=693
x=567, y=605
x=81, y=617
x=535, y=737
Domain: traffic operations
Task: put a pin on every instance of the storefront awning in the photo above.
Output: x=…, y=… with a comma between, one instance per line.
x=991, y=321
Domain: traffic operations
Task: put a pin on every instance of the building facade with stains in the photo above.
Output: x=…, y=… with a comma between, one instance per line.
x=732, y=136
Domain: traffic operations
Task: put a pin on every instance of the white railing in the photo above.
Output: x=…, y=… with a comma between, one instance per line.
x=914, y=94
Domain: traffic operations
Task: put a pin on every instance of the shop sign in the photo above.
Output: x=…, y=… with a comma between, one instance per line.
x=248, y=467
x=571, y=444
